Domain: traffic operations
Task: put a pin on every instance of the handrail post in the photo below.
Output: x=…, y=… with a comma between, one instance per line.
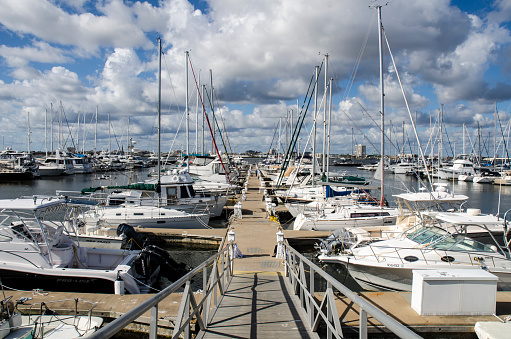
x=362, y=324
x=205, y=305
x=153, y=322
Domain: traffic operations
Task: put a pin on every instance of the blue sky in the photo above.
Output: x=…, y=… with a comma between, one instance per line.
x=81, y=55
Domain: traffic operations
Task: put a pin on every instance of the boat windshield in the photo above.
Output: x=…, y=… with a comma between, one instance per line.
x=425, y=235
x=461, y=243
x=443, y=240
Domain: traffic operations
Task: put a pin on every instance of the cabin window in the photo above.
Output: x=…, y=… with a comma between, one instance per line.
x=191, y=190
x=369, y=214
x=171, y=194
x=116, y=201
x=118, y=214
x=183, y=191
x=138, y=213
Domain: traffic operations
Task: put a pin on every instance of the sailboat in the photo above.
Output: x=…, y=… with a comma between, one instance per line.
x=140, y=205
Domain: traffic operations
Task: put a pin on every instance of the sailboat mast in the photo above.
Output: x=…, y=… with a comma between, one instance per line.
x=314, y=126
x=495, y=143
x=197, y=122
x=96, y=132
x=382, y=106
x=187, y=114
x=46, y=132
x=51, y=127
x=28, y=132
x=324, y=114
x=159, y=111
x=329, y=130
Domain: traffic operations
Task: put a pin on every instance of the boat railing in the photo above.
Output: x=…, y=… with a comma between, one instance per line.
x=215, y=280
x=476, y=258
x=302, y=274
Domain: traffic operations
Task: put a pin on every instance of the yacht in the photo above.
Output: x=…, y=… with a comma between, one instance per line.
x=388, y=264
x=38, y=252
x=403, y=167
x=57, y=165
x=176, y=191
x=347, y=216
x=459, y=167
x=504, y=179
x=486, y=176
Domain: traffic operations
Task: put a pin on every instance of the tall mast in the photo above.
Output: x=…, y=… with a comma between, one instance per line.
x=109, y=135
x=128, y=137
x=314, y=126
x=46, y=132
x=382, y=106
x=464, y=139
x=51, y=126
x=83, y=142
x=212, y=112
x=159, y=110
x=187, y=114
x=495, y=143
x=96, y=132
x=78, y=134
x=324, y=114
x=329, y=130
x=197, y=122
x=203, y=120
x=28, y=132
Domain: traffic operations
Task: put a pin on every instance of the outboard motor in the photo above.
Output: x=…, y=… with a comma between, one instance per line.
x=153, y=262
x=131, y=240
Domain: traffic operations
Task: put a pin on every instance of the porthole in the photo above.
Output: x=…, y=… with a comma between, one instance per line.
x=447, y=258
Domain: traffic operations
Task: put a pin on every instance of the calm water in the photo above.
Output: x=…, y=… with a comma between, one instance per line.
x=483, y=196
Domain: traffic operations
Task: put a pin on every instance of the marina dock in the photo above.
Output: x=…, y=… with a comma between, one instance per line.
x=259, y=301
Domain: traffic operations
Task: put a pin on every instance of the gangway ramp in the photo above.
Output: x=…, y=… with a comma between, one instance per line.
x=258, y=302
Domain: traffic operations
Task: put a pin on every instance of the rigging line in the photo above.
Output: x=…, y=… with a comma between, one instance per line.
x=360, y=130
x=502, y=133
x=409, y=112
x=223, y=121
x=377, y=125
x=299, y=124
x=448, y=140
x=209, y=125
x=175, y=97
x=175, y=137
x=359, y=58
x=215, y=121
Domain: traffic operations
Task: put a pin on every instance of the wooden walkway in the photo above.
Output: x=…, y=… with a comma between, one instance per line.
x=258, y=302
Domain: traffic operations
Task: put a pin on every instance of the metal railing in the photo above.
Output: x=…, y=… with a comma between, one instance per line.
x=213, y=288
x=296, y=266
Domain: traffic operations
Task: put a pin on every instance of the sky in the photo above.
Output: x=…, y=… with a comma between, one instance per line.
x=61, y=61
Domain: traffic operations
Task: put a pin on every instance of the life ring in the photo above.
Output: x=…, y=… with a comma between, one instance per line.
x=175, y=178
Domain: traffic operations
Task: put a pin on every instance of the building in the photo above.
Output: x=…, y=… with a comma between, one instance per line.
x=360, y=151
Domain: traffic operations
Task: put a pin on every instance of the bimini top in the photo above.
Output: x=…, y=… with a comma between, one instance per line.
x=431, y=196
x=31, y=204
x=467, y=218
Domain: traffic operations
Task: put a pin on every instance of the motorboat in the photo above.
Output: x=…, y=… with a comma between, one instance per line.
x=403, y=167
x=459, y=167
x=39, y=251
x=46, y=324
x=347, y=216
x=388, y=264
x=504, y=179
x=486, y=176
x=57, y=165
x=144, y=216
x=175, y=191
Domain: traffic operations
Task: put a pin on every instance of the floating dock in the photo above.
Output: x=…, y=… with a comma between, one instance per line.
x=259, y=301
